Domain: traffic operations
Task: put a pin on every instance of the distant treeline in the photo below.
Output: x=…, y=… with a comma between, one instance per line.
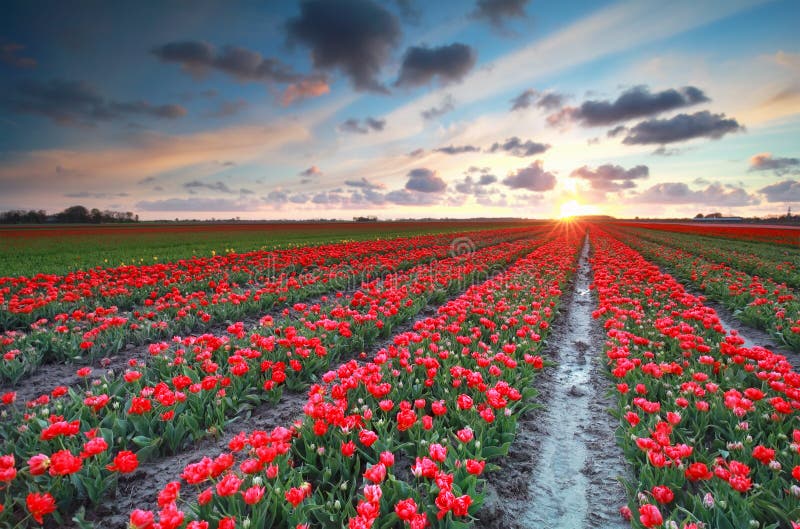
x=71, y=215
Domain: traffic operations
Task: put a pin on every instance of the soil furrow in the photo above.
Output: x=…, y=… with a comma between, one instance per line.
x=563, y=467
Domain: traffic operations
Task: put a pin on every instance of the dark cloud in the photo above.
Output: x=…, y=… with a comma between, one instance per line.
x=611, y=177
x=786, y=191
x=636, y=102
x=550, y=101
x=532, y=178
x=679, y=193
x=681, y=128
x=356, y=36
x=616, y=131
x=10, y=54
x=524, y=100
x=363, y=183
x=311, y=172
x=446, y=106
x=475, y=169
x=220, y=187
x=498, y=11
x=425, y=181
x=448, y=63
x=780, y=166
x=79, y=103
x=460, y=149
x=517, y=147
x=299, y=198
x=198, y=57
x=147, y=180
x=416, y=153
x=195, y=204
x=228, y=108
x=355, y=126
x=530, y=97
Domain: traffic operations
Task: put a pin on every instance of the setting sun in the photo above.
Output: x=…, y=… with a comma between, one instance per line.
x=572, y=208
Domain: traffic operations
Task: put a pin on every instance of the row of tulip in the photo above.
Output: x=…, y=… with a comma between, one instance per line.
x=401, y=441
x=779, y=263
x=756, y=301
x=192, y=386
x=81, y=335
x=24, y=300
x=709, y=427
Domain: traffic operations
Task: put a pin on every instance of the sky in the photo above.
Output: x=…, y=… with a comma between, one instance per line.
x=401, y=108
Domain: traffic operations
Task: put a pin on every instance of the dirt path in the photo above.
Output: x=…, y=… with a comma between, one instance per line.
x=563, y=467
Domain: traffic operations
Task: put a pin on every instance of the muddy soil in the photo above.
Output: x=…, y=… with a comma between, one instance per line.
x=563, y=467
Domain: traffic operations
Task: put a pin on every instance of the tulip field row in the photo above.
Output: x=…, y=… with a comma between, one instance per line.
x=50, y=318
x=417, y=358
x=756, y=300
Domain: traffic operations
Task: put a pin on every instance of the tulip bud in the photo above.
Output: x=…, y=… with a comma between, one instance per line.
x=246, y=523
x=344, y=485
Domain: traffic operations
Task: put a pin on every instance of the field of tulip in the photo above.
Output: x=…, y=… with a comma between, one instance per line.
x=404, y=367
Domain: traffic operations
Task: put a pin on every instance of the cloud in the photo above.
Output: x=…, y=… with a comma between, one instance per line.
x=355, y=36
x=196, y=204
x=681, y=128
x=550, y=101
x=87, y=194
x=425, y=181
x=9, y=54
x=460, y=149
x=416, y=153
x=780, y=166
x=611, y=177
x=405, y=197
x=277, y=197
x=370, y=124
x=532, y=178
x=198, y=57
x=228, y=108
x=616, y=131
x=220, y=187
x=546, y=101
x=715, y=194
x=363, y=183
x=636, y=102
x=304, y=89
x=517, y=147
x=470, y=186
x=444, y=107
x=524, y=100
x=448, y=63
x=786, y=191
x=497, y=11
x=77, y=103
x=311, y=171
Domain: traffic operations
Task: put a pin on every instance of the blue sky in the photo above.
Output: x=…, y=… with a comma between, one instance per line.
x=402, y=108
